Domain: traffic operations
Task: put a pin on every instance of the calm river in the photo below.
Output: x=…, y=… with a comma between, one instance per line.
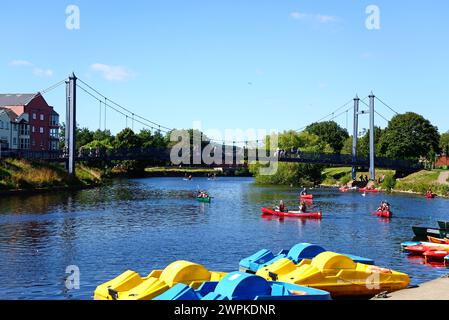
x=146, y=224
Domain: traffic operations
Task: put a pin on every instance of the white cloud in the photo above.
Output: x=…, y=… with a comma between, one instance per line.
x=46, y=73
x=20, y=63
x=297, y=15
x=112, y=73
x=321, y=18
x=37, y=71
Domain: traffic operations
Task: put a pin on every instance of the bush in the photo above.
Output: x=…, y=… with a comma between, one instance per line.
x=389, y=183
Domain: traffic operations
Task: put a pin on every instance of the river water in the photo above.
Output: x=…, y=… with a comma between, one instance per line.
x=146, y=224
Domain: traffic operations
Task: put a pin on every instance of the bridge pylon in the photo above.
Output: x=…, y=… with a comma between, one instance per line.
x=372, y=150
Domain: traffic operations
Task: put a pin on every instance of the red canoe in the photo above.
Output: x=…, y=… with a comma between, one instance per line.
x=417, y=250
x=369, y=190
x=293, y=214
x=435, y=255
x=384, y=214
x=306, y=197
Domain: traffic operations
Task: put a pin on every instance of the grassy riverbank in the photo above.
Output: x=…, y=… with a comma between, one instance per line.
x=21, y=175
x=418, y=182
x=340, y=176
x=421, y=181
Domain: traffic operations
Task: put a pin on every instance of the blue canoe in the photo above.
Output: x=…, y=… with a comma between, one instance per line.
x=299, y=252
x=243, y=286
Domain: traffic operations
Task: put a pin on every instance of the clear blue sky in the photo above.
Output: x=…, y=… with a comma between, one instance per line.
x=231, y=63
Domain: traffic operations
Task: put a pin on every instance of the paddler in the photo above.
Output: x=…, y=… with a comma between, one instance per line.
x=281, y=206
x=304, y=192
x=303, y=207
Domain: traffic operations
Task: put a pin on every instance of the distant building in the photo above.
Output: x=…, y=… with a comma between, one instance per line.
x=14, y=130
x=36, y=122
x=442, y=161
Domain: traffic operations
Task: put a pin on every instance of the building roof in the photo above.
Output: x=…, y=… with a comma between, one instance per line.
x=11, y=114
x=16, y=99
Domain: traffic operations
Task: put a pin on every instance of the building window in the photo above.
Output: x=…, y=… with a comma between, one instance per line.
x=41, y=130
x=54, y=121
x=24, y=130
x=34, y=143
x=42, y=117
x=15, y=127
x=54, y=133
x=34, y=129
x=7, y=126
x=24, y=144
x=34, y=116
x=14, y=141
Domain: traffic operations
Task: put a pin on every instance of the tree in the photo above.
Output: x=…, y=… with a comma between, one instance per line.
x=330, y=133
x=444, y=143
x=364, y=143
x=409, y=136
x=127, y=139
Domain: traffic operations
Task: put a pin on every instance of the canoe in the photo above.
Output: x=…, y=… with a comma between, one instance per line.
x=409, y=244
x=297, y=253
x=438, y=240
x=337, y=274
x=292, y=214
x=306, y=197
x=243, y=286
x=435, y=255
x=131, y=286
x=384, y=214
x=369, y=190
x=428, y=196
x=423, y=247
x=204, y=200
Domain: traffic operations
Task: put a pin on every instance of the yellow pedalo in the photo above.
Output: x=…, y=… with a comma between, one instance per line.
x=131, y=286
x=337, y=274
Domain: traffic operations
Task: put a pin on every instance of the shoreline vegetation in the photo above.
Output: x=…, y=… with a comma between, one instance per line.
x=22, y=176
x=415, y=183
x=26, y=177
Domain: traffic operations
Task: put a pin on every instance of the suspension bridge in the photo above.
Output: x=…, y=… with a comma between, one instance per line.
x=252, y=150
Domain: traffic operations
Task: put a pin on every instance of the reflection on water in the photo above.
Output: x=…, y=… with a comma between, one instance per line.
x=147, y=224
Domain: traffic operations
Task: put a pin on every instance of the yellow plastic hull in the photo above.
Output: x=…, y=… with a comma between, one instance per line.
x=337, y=274
x=131, y=286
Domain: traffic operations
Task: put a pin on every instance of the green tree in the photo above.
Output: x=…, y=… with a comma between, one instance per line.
x=444, y=143
x=127, y=139
x=103, y=135
x=330, y=133
x=364, y=143
x=409, y=136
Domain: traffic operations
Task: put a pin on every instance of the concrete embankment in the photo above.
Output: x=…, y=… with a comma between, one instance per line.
x=434, y=290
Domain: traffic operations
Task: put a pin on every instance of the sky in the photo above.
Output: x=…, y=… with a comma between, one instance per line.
x=265, y=64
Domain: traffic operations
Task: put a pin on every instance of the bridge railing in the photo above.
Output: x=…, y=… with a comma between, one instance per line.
x=163, y=155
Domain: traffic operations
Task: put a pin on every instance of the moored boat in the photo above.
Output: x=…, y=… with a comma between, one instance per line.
x=131, y=286
x=337, y=274
x=243, y=286
x=424, y=232
x=438, y=240
x=363, y=190
x=297, y=253
x=435, y=255
x=292, y=214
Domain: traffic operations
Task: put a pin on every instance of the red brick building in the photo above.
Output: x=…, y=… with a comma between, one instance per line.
x=43, y=120
x=442, y=161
